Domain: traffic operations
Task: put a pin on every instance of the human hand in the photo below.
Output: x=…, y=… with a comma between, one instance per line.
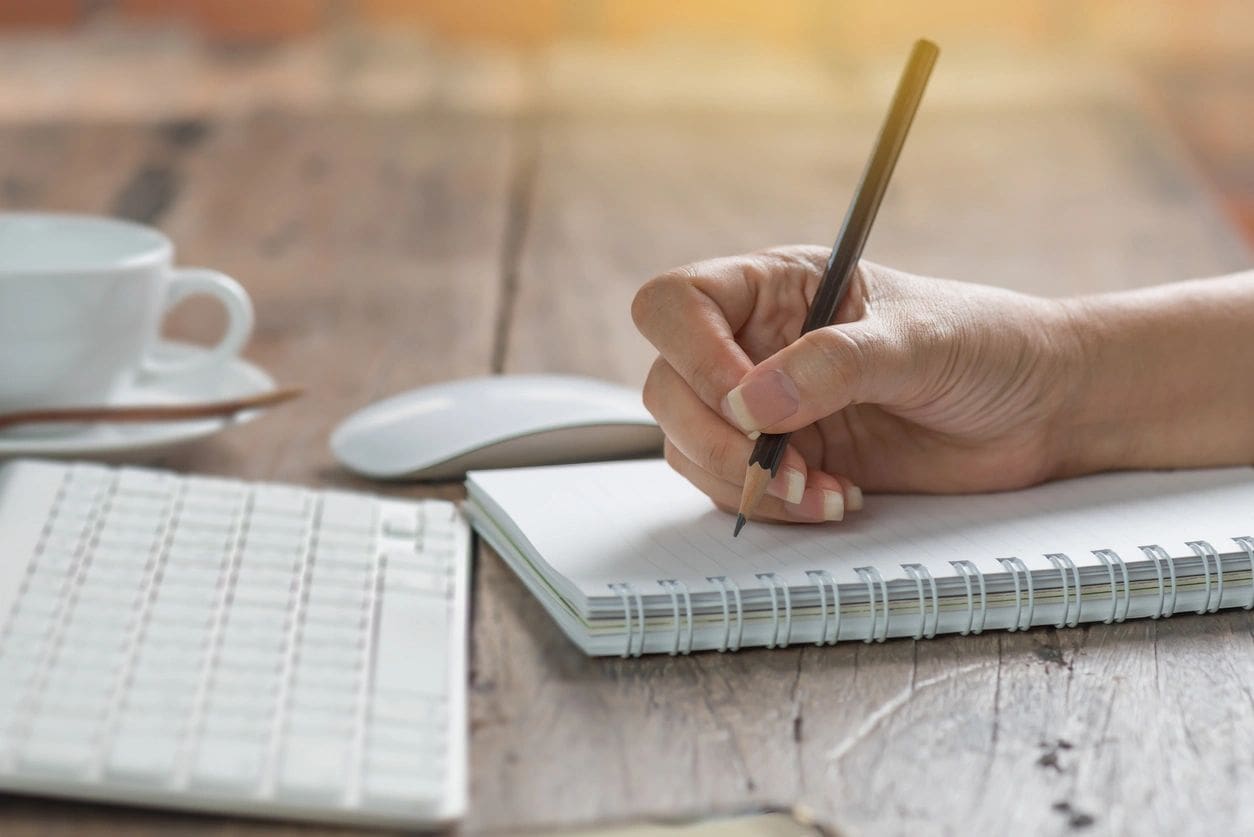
x=923, y=385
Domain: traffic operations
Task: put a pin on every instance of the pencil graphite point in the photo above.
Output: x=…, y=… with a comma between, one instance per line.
x=740, y=524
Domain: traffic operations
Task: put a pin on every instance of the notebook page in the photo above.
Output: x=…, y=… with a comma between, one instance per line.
x=597, y=524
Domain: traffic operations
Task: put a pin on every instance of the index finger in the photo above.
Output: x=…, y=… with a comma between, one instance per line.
x=691, y=315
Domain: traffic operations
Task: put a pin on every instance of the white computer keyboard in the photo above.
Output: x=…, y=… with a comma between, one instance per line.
x=225, y=646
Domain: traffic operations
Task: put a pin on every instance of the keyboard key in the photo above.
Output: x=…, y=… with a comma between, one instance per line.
x=351, y=611
x=348, y=512
x=126, y=576
x=150, y=712
x=228, y=762
x=200, y=487
x=144, y=482
x=184, y=603
x=349, y=547
x=416, y=582
x=243, y=616
x=280, y=500
x=62, y=541
x=412, y=650
x=185, y=555
x=314, y=767
x=57, y=755
x=248, y=660
x=194, y=574
x=146, y=756
x=216, y=542
x=327, y=574
x=251, y=718
x=346, y=632
x=341, y=703
x=252, y=596
x=58, y=562
x=414, y=752
x=399, y=788
x=328, y=680
x=95, y=595
x=406, y=708
x=264, y=523
x=402, y=524
x=249, y=577
x=73, y=685
x=60, y=744
x=338, y=721
x=242, y=694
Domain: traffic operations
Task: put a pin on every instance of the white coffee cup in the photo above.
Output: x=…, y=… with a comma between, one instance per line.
x=82, y=299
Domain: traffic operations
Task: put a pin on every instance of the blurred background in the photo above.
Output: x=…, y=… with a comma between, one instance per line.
x=1195, y=60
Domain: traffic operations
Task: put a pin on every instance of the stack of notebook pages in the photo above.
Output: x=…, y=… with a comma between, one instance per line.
x=629, y=558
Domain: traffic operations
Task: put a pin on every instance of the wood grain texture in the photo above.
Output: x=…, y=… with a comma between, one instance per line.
x=1050, y=199
x=406, y=242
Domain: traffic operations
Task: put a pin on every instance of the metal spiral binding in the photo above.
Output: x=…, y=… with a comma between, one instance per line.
x=1160, y=557
x=821, y=578
x=969, y=571
x=1110, y=559
x=625, y=590
x=1016, y=566
x=919, y=573
x=723, y=582
x=1203, y=550
x=871, y=576
x=1063, y=563
x=1247, y=544
x=671, y=585
x=878, y=628
x=775, y=583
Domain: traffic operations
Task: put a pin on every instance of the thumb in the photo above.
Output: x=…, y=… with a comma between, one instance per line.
x=823, y=372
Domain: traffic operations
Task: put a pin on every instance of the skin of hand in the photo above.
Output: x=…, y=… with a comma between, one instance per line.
x=921, y=385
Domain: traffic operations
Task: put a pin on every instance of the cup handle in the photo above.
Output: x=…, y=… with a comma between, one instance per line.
x=199, y=281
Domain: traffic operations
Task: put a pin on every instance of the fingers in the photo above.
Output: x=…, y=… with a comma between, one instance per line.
x=817, y=504
x=694, y=315
x=690, y=314
x=820, y=374
x=705, y=438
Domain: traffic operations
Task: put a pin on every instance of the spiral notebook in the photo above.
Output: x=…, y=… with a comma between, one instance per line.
x=630, y=559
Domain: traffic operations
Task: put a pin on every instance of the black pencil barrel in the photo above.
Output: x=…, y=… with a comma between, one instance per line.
x=860, y=217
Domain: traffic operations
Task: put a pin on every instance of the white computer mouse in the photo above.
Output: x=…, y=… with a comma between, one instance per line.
x=501, y=421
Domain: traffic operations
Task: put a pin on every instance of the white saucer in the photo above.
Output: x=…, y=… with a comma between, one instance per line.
x=130, y=441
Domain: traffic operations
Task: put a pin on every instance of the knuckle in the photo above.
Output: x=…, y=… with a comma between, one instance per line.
x=706, y=376
x=715, y=452
x=656, y=293
x=838, y=355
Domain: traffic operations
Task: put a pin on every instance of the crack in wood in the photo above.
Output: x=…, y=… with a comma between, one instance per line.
x=517, y=222
x=891, y=707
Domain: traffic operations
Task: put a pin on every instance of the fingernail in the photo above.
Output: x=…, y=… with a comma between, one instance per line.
x=853, y=498
x=788, y=485
x=762, y=400
x=753, y=436
x=833, y=505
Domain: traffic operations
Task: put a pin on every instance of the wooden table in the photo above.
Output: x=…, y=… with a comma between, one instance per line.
x=393, y=242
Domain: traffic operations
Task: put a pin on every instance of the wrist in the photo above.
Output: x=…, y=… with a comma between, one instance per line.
x=1093, y=430
x=1156, y=380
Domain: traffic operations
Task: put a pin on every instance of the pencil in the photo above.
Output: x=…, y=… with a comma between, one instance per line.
x=764, y=462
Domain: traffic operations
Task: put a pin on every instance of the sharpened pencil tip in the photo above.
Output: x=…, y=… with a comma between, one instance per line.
x=740, y=524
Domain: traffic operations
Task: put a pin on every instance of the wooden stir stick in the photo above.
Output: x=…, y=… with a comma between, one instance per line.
x=153, y=412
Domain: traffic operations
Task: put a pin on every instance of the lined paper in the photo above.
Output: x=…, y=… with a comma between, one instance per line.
x=637, y=522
